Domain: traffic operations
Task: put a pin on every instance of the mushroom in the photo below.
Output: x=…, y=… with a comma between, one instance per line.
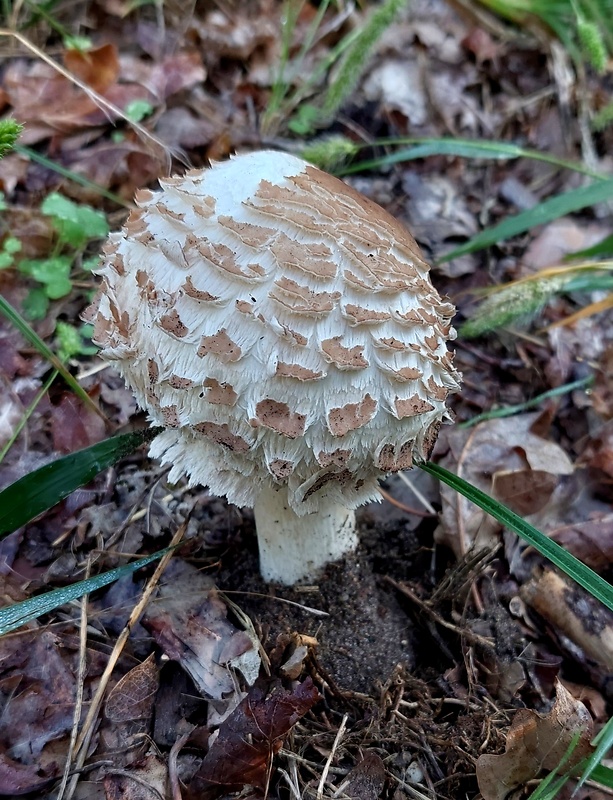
x=284, y=330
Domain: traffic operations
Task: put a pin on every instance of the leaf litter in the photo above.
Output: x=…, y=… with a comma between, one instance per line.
x=429, y=649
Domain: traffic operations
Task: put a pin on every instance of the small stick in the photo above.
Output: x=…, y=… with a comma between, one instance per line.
x=328, y=764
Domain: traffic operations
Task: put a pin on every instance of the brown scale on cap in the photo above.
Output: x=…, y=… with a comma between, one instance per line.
x=343, y=357
x=171, y=323
x=352, y=416
x=222, y=435
x=277, y=416
x=219, y=345
x=220, y=394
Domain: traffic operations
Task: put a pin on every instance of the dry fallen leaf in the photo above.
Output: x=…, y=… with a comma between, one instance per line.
x=501, y=454
x=536, y=743
x=241, y=755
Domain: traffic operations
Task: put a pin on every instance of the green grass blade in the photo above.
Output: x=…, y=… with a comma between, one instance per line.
x=33, y=155
x=604, y=742
x=575, y=569
x=19, y=614
x=544, y=212
x=28, y=497
x=31, y=336
x=463, y=148
x=509, y=411
x=603, y=775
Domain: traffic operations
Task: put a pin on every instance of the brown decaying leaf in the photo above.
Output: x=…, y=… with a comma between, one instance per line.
x=98, y=67
x=241, y=755
x=132, y=697
x=191, y=627
x=74, y=426
x=536, y=743
x=36, y=700
x=494, y=452
x=590, y=541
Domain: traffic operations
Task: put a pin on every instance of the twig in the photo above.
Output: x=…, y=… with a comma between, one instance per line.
x=79, y=695
x=424, y=501
x=328, y=764
x=87, y=731
x=94, y=96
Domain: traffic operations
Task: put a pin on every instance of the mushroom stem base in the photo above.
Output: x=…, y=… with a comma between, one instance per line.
x=294, y=548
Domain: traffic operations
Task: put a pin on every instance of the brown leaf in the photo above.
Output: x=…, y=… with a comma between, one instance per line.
x=74, y=426
x=525, y=491
x=241, y=755
x=98, y=68
x=133, y=695
x=191, y=628
x=536, y=742
x=590, y=541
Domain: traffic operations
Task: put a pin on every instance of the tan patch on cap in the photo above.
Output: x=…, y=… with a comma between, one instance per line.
x=135, y=223
x=203, y=206
x=352, y=416
x=437, y=391
x=343, y=357
x=197, y=294
x=171, y=323
x=388, y=461
x=303, y=299
x=143, y=196
x=431, y=343
x=314, y=259
x=338, y=458
x=177, y=382
x=430, y=438
x=117, y=264
x=223, y=258
x=219, y=345
x=222, y=435
x=220, y=394
x=280, y=469
x=358, y=315
x=153, y=370
x=277, y=416
x=343, y=477
x=175, y=216
x=296, y=371
x=170, y=416
x=411, y=407
x=410, y=316
x=252, y=235
x=391, y=343
x=245, y=307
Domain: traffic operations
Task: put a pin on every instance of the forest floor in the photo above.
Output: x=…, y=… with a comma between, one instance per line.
x=410, y=668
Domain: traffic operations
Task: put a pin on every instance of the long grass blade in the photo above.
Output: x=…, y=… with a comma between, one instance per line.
x=31, y=336
x=544, y=212
x=462, y=148
x=575, y=569
x=19, y=614
x=28, y=497
x=33, y=155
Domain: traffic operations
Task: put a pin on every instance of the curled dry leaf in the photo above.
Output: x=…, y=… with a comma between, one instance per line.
x=192, y=628
x=500, y=454
x=132, y=697
x=366, y=779
x=241, y=755
x=536, y=743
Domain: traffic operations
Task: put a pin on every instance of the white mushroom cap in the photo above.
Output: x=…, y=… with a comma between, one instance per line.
x=282, y=327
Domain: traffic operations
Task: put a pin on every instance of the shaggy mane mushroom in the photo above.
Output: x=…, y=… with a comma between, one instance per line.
x=284, y=330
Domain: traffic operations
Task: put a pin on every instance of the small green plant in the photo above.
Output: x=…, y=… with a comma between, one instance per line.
x=350, y=57
x=9, y=133
x=75, y=227
x=583, y=26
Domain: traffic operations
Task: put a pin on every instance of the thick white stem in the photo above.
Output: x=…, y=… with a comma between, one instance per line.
x=294, y=548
